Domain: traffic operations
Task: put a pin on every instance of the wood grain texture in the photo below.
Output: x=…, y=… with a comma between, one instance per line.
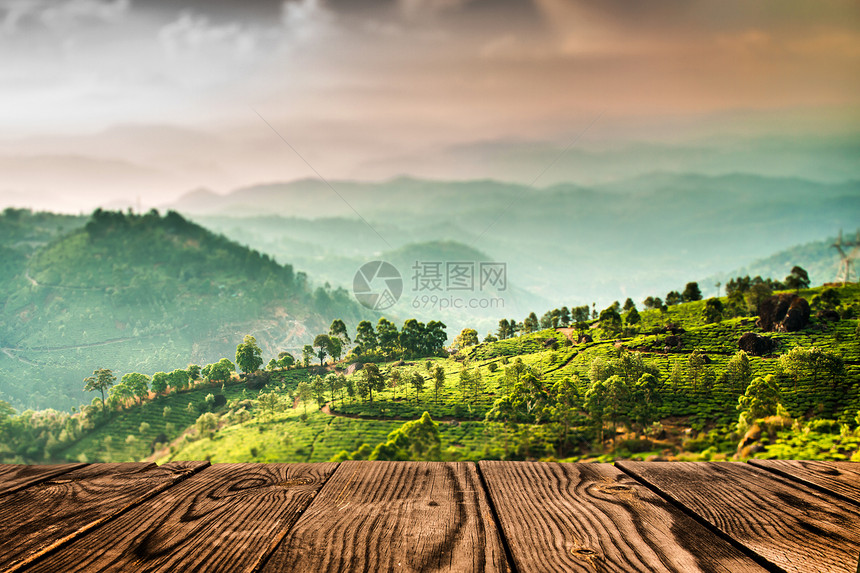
x=395, y=516
x=840, y=479
x=47, y=515
x=17, y=477
x=593, y=517
x=226, y=518
x=791, y=526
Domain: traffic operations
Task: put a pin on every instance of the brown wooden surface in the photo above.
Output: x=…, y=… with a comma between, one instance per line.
x=395, y=516
x=593, y=517
x=791, y=526
x=225, y=518
x=46, y=515
x=841, y=479
x=420, y=516
x=15, y=477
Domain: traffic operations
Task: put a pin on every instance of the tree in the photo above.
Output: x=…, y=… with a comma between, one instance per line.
x=193, y=372
x=418, y=383
x=531, y=324
x=465, y=381
x=373, y=379
x=342, y=384
x=415, y=440
x=207, y=423
x=412, y=337
x=318, y=386
x=338, y=330
x=567, y=402
x=632, y=317
x=179, y=379
x=477, y=382
x=713, y=311
x=248, y=355
x=268, y=401
x=652, y=302
x=285, y=359
x=756, y=295
x=595, y=405
x=797, y=279
x=691, y=292
x=386, y=332
x=564, y=316
x=365, y=337
x=629, y=305
x=467, y=337
x=610, y=320
x=322, y=342
x=394, y=379
x=350, y=389
x=617, y=401
x=813, y=363
x=438, y=380
x=580, y=314
x=334, y=348
x=434, y=338
x=101, y=380
x=220, y=371
x=646, y=400
x=673, y=298
x=305, y=394
x=137, y=383
x=307, y=354
x=119, y=394
x=696, y=364
x=546, y=320
x=160, y=381
x=738, y=372
x=761, y=399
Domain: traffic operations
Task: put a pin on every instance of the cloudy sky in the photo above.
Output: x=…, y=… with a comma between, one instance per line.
x=105, y=100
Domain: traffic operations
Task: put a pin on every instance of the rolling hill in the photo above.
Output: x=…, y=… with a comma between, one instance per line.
x=139, y=293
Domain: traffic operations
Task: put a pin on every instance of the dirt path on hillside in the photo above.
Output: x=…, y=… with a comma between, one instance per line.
x=7, y=352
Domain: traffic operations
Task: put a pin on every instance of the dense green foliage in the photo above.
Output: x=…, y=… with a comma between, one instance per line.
x=139, y=293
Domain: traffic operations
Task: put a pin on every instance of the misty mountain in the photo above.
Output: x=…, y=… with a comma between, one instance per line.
x=566, y=243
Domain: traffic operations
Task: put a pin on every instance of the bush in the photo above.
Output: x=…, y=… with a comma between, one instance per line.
x=824, y=426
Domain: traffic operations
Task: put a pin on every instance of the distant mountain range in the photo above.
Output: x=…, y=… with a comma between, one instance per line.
x=565, y=243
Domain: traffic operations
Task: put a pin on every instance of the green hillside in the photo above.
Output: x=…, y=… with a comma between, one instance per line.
x=666, y=386
x=143, y=293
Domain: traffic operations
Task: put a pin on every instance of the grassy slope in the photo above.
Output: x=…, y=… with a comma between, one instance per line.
x=695, y=420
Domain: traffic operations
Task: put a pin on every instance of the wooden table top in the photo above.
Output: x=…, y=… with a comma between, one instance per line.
x=432, y=516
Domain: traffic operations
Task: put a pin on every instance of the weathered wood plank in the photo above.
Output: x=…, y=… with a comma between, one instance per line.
x=841, y=479
x=45, y=516
x=15, y=477
x=227, y=517
x=789, y=525
x=403, y=516
x=593, y=517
